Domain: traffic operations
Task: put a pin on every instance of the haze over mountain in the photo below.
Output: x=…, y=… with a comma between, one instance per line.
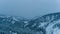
x=29, y=8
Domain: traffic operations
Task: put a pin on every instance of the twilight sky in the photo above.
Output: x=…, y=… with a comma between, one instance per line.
x=29, y=8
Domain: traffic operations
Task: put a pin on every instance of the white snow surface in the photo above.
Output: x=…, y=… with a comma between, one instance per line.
x=51, y=30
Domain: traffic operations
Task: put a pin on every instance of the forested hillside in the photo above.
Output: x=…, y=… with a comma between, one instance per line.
x=46, y=24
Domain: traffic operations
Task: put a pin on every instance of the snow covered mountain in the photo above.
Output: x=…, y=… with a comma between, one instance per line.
x=45, y=23
x=11, y=24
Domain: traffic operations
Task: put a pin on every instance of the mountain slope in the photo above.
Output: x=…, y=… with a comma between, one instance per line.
x=41, y=24
x=11, y=24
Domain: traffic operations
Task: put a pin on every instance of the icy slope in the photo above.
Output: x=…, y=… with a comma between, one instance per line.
x=44, y=23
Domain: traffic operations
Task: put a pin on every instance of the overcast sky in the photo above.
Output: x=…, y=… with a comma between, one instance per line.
x=29, y=8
